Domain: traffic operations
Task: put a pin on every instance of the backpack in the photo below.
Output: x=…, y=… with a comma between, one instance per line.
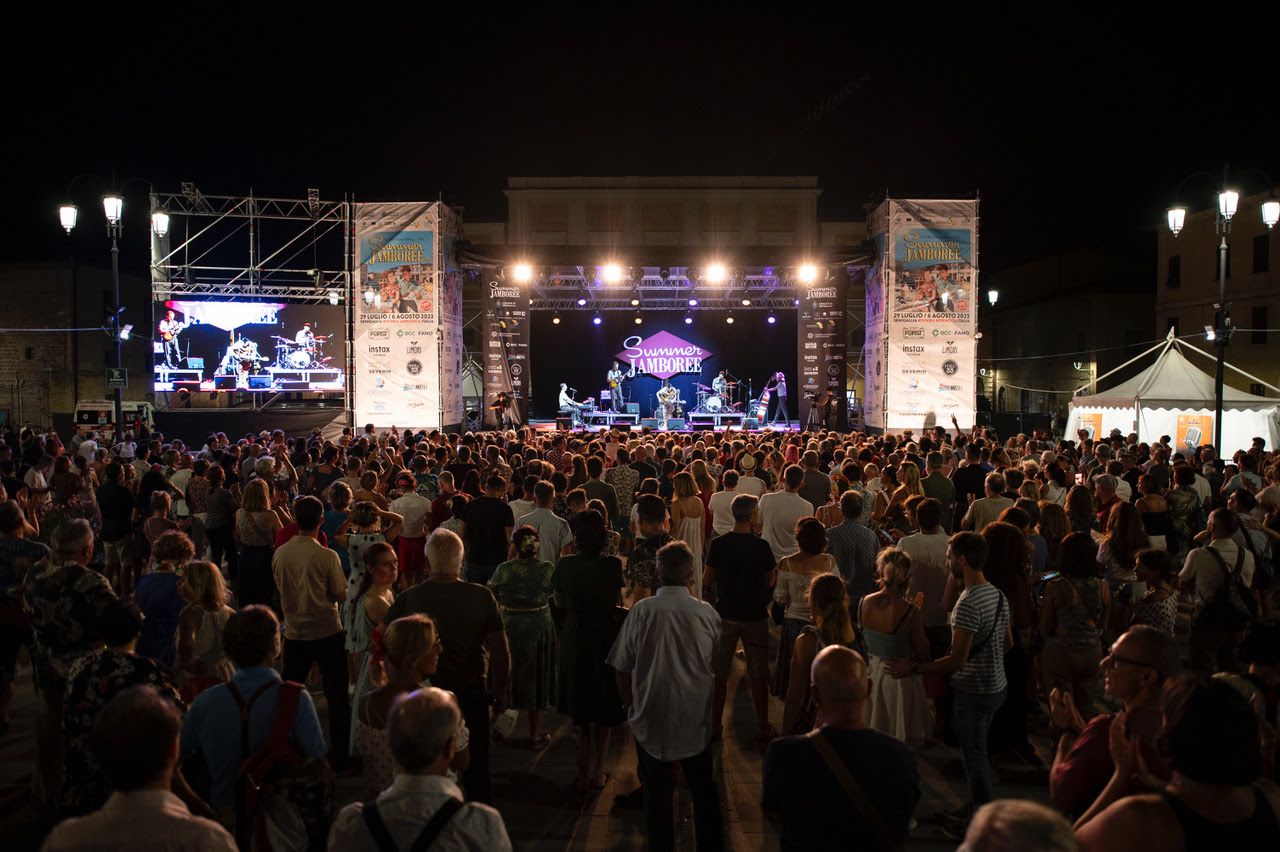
x=1264, y=570
x=283, y=800
x=1234, y=606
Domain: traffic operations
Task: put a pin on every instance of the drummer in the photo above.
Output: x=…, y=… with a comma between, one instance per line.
x=720, y=384
x=305, y=337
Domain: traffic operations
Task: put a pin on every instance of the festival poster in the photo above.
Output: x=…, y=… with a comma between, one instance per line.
x=506, y=347
x=1193, y=431
x=930, y=309
x=397, y=376
x=1090, y=422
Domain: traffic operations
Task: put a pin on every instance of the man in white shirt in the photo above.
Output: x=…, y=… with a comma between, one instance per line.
x=1213, y=647
x=663, y=656
x=929, y=572
x=141, y=813
x=88, y=447
x=721, y=505
x=779, y=512
x=748, y=482
x=422, y=808
x=553, y=532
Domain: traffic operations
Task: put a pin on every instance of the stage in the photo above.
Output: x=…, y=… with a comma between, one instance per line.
x=687, y=428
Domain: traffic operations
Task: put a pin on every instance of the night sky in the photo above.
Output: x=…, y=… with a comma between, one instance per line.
x=1076, y=132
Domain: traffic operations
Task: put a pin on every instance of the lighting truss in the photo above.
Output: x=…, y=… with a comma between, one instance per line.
x=246, y=246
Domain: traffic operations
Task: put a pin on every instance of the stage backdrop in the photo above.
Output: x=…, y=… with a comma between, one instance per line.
x=397, y=313
x=506, y=342
x=927, y=301
x=579, y=353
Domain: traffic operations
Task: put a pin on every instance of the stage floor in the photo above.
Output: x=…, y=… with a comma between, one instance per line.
x=792, y=426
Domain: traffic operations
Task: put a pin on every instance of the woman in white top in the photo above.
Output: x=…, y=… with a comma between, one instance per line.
x=688, y=520
x=202, y=662
x=795, y=573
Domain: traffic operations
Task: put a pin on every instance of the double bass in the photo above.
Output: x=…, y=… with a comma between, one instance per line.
x=762, y=406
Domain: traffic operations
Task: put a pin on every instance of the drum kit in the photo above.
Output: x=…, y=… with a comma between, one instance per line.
x=291, y=355
x=708, y=401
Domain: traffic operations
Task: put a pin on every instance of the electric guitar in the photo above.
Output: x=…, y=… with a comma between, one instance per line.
x=172, y=333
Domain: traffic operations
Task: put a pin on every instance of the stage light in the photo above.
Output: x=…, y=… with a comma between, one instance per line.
x=688, y=320
x=334, y=296
x=522, y=273
x=612, y=273
x=715, y=273
x=693, y=303
x=555, y=320
x=67, y=216
x=808, y=273
x=746, y=303
x=635, y=303
x=582, y=301
x=772, y=319
x=113, y=206
x=797, y=303
x=639, y=320
x=729, y=319
x=125, y=332
x=160, y=223
x=596, y=319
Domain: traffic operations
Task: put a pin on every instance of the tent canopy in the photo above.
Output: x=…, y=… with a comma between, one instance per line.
x=1172, y=382
x=1159, y=400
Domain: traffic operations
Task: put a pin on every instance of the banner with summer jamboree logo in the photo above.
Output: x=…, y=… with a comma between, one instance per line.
x=397, y=376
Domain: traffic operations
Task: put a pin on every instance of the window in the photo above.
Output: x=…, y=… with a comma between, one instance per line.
x=29, y=353
x=1258, y=322
x=1261, y=253
x=1172, y=326
x=1174, y=278
x=1257, y=389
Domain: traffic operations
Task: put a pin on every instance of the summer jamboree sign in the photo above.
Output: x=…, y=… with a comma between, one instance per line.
x=663, y=355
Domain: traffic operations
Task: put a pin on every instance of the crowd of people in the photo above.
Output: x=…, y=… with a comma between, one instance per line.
x=885, y=593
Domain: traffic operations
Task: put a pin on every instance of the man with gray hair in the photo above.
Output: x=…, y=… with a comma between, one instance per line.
x=663, y=659
x=476, y=658
x=422, y=805
x=63, y=600
x=1018, y=825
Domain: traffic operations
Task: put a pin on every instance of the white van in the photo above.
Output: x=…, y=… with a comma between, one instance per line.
x=96, y=415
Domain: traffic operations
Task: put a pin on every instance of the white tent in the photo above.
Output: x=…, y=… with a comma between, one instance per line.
x=1175, y=397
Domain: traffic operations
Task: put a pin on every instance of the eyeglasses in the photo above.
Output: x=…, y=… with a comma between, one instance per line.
x=1110, y=661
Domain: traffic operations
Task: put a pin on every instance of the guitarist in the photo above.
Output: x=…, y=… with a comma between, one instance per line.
x=615, y=377
x=169, y=329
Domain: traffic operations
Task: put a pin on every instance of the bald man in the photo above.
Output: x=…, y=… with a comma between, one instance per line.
x=803, y=794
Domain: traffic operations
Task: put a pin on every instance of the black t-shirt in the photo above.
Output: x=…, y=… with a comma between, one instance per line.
x=465, y=614
x=741, y=561
x=116, y=504
x=816, y=812
x=487, y=519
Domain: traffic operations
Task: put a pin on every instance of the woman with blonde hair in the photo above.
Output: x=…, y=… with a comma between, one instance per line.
x=256, y=526
x=202, y=661
x=706, y=488
x=688, y=521
x=405, y=655
x=829, y=603
x=893, y=629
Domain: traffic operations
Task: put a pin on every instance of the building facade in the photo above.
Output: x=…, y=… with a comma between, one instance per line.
x=1089, y=306
x=1187, y=288
x=44, y=366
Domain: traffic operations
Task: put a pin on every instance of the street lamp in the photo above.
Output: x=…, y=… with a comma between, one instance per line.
x=1220, y=333
x=113, y=210
x=993, y=296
